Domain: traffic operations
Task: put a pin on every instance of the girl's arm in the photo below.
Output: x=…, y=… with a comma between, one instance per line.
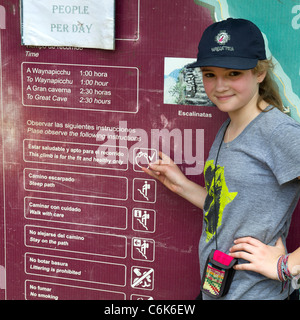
x=168, y=173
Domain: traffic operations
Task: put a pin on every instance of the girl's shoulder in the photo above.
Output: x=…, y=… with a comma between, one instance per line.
x=275, y=120
x=279, y=131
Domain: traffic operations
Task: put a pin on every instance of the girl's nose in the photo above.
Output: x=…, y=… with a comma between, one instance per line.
x=221, y=84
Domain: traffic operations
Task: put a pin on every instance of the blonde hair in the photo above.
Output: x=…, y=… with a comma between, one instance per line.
x=268, y=89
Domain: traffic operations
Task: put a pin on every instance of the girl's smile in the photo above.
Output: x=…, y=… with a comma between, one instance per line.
x=224, y=98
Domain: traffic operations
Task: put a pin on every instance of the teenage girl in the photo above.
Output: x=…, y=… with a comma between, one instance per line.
x=252, y=173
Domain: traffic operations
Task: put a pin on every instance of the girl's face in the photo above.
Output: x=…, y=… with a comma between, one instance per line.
x=231, y=90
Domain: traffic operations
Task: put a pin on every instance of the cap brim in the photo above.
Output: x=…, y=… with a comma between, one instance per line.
x=225, y=62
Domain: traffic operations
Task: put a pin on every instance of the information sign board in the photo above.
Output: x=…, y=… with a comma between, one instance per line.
x=79, y=219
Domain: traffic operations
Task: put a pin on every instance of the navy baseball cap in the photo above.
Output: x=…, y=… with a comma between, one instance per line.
x=232, y=44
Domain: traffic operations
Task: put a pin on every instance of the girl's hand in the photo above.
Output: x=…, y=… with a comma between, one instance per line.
x=168, y=173
x=262, y=258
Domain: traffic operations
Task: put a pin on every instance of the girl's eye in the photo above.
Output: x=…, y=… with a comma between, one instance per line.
x=208, y=75
x=234, y=73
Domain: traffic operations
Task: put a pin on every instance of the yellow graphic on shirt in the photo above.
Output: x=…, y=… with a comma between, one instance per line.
x=223, y=197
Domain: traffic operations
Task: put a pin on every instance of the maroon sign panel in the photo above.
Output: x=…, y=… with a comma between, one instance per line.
x=79, y=218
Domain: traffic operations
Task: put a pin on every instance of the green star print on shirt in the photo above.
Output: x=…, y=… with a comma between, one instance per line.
x=223, y=197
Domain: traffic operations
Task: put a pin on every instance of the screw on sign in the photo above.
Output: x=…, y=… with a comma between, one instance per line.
x=142, y=278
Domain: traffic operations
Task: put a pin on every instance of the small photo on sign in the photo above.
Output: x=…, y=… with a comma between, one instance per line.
x=183, y=85
x=76, y=23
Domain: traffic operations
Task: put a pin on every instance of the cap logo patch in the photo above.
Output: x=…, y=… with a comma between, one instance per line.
x=222, y=37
